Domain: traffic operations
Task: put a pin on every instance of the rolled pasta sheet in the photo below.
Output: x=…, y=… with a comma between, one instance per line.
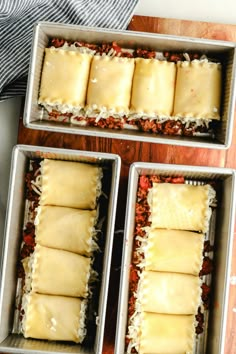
x=64, y=79
x=169, y=293
x=173, y=251
x=109, y=87
x=180, y=206
x=70, y=184
x=67, y=229
x=166, y=334
x=153, y=87
x=198, y=89
x=56, y=272
x=53, y=317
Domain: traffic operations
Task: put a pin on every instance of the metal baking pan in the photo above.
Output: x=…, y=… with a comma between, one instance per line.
x=223, y=50
x=225, y=221
x=12, y=343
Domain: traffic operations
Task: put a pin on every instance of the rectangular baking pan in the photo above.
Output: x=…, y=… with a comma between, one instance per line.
x=222, y=50
x=225, y=222
x=12, y=343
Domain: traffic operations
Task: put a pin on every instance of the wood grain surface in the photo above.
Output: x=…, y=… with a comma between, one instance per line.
x=131, y=151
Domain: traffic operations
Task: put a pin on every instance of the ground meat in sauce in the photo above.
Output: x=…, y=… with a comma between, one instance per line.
x=29, y=234
x=170, y=127
x=28, y=237
x=200, y=321
x=206, y=291
x=27, y=247
x=207, y=266
x=111, y=123
x=59, y=117
x=207, y=247
x=175, y=57
x=136, y=53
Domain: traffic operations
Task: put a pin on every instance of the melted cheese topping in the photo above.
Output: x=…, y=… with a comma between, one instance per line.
x=153, y=87
x=198, y=90
x=173, y=251
x=170, y=293
x=169, y=334
x=66, y=228
x=70, y=184
x=44, y=318
x=110, y=84
x=58, y=272
x=180, y=206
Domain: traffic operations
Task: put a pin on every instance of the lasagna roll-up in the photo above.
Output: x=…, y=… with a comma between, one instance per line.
x=198, y=90
x=166, y=334
x=153, y=87
x=64, y=79
x=173, y=251
x=68, y=229
x=180, y=206
x=110, y=82
x=170, y=293
x=70, y=184
x=53, y=317
x=56, y=272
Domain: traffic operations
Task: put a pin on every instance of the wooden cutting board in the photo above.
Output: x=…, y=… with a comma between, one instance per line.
x=131, y=151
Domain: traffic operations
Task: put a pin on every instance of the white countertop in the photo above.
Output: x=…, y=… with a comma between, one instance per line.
x=201, y=10
x=220, y=11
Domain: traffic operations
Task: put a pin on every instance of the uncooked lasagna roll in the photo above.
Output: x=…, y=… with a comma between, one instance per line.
x=109, y=87
x=172, y=251
x=53, y=317
x=68, y=229
x=64, y=79
x=166, y=334
x=70, y=184
x=170, y=293
x=198, y=90
x=153, y=87
x=180, y=206
x=57, y=272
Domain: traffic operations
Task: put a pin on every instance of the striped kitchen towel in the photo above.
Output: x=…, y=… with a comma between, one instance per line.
x=17, y=18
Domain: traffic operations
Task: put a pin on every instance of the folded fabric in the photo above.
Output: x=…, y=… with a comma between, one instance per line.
x=17, y=19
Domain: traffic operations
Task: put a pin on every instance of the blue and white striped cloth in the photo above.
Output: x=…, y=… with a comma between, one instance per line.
x=17, y=18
